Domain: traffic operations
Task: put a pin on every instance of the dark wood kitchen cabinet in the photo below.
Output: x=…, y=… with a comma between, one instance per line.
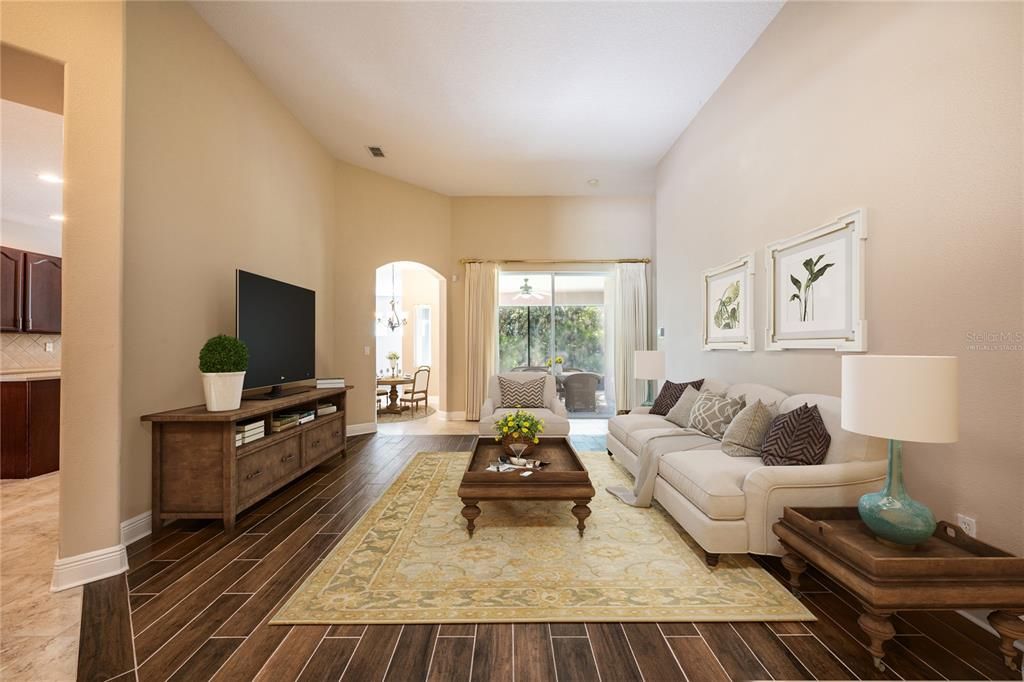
x=30, y=438
x=11, y=289
x=42, y=293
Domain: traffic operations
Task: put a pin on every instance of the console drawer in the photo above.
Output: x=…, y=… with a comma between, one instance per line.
x=322, y=441
x=261, y=469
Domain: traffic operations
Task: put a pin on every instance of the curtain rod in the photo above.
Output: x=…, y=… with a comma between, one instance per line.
x=554, y=261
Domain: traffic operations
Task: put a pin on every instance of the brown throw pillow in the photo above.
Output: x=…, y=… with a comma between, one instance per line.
x=796, y=437
x=670, y=393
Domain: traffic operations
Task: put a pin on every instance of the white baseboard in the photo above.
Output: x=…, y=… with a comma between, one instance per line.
x=360, y=429
x=980, y=618
x=452, y=416
x=136, y=528
x=85, y=568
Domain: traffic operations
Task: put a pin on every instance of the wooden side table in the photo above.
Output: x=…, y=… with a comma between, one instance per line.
x=950, y=571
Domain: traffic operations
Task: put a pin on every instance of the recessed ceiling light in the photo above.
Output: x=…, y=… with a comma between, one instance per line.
x=593, y=182
x=50, y=178
x=59, y=217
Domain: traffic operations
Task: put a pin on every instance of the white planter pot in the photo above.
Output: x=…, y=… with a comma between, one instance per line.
x=223, y=390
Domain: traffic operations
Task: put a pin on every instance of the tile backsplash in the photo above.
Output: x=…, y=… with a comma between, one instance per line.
x=28, y=351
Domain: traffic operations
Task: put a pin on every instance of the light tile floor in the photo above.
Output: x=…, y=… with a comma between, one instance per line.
x=38, y=629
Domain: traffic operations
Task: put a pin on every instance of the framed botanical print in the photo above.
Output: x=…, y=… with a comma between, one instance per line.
x=729, y=305
x=816, y=287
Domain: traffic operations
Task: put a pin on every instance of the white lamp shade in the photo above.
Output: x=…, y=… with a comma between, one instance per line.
x=903, y=397
x=649, y=364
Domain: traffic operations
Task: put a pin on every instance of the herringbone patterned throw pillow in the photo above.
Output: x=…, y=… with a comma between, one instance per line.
x=745, y=434
x=522, y=393
x=670, y=393
x=796, y=437
x=712, y=413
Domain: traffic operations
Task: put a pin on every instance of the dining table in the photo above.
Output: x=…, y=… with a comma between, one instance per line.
x=393, y=406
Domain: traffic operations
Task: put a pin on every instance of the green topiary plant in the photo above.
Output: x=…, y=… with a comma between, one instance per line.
x=223, y=353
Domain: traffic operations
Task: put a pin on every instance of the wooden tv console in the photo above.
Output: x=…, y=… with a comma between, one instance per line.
x=198, y=473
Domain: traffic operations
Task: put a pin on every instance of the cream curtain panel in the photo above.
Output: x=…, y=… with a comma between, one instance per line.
x=481, y=333
x=630, y=331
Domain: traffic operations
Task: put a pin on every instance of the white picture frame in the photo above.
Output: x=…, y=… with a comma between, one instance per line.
x=728, y=301
x=816, y=288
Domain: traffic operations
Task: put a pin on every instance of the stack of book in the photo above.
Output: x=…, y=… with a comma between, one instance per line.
x=283, y=421
x=250, y=431
x=323, y=408
x=331, y=383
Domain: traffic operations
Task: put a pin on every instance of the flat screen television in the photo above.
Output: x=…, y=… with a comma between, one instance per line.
x=277, y=322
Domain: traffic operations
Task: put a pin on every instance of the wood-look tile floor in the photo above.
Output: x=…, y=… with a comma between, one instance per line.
x=195, y=604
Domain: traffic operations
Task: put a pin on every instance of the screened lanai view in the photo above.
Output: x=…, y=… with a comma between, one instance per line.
x=560, y=323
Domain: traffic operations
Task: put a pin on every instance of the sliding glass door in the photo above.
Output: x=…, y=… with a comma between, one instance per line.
x=547, y=316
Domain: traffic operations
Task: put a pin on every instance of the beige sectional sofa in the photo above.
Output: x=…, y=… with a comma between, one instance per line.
x=728, y=504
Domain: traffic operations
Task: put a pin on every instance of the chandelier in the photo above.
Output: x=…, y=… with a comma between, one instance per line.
x=394, y=319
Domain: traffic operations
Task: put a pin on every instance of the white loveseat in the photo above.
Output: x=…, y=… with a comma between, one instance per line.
x=556, y=421
x=728, y=504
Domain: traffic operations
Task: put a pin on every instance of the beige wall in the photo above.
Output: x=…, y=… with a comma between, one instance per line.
x=89, y=39
x=379, y=220
x=913, y=111
x=420, y=287
x=219, y=176
x=568, y=228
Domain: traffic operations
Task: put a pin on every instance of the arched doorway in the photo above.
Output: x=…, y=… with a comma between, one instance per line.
x=410, y=333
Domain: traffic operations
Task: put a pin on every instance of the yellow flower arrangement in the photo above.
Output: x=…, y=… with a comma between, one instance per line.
x=519, y=424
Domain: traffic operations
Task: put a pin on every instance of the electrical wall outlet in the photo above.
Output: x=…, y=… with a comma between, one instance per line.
x=967, y=524
x=49, y=346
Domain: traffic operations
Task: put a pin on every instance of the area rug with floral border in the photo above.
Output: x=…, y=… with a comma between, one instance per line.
x=409, y=559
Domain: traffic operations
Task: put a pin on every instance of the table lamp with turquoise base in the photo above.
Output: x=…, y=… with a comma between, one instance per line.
x=899, y=397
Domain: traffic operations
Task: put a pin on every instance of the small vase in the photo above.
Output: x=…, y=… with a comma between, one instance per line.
x=892, y=514
x=517, y=447
x=557, y=368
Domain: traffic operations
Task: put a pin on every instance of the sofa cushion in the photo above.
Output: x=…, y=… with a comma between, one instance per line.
x=620, y=426
x=752, y=392
x=521, y=393
x=550, y=387
x=745, y=434
x=846, y=446
x=797, y=437
x=679, y=439
x=680, y=412
x=670, y=393
x=712, y=413
x=710, y=479
x=554, y=424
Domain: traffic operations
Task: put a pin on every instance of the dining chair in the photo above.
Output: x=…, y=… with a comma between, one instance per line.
x=581, y=391
x=418, y=393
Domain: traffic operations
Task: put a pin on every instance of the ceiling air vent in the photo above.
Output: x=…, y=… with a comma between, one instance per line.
x=376, y=152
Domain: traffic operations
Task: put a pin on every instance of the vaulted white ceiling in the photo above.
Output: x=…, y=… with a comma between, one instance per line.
x=505, y=98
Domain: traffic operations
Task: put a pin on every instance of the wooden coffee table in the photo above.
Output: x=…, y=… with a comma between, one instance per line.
x=565, y=478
